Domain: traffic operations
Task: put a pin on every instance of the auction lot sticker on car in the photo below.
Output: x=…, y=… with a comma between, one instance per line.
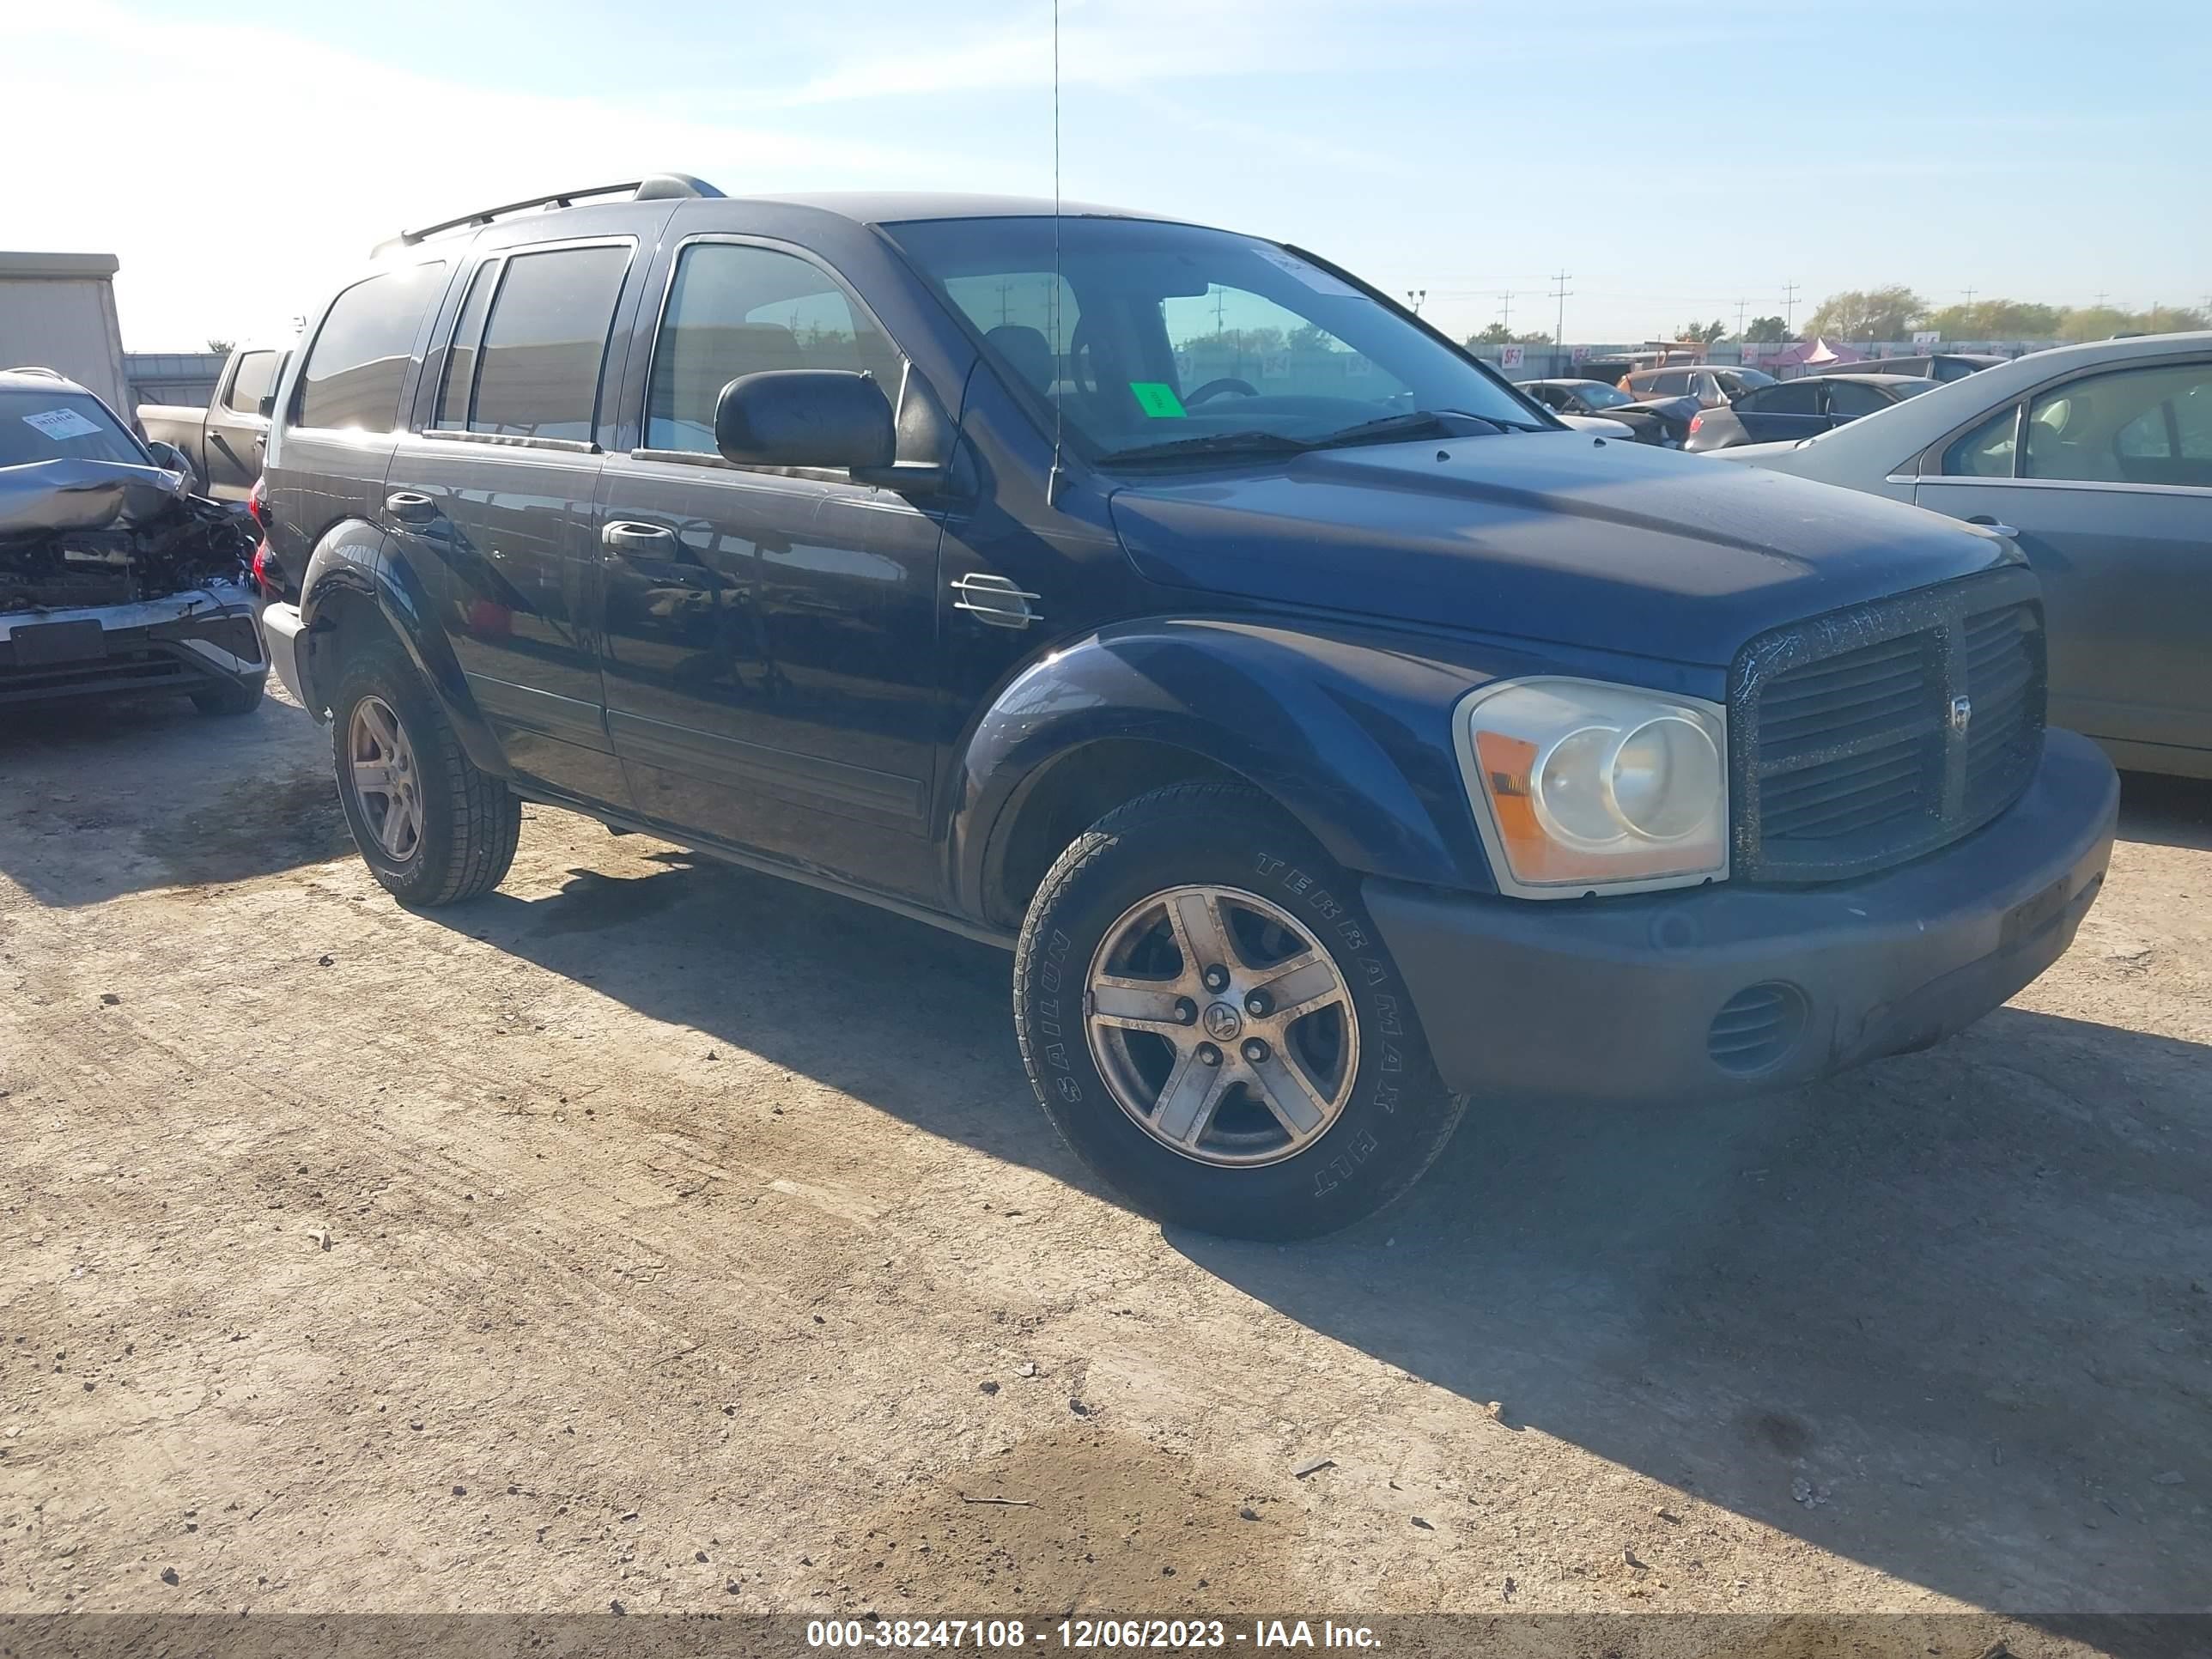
x=1312, y=276
x=60, y=423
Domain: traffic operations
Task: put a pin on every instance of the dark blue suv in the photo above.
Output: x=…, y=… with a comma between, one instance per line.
x=1336, y=739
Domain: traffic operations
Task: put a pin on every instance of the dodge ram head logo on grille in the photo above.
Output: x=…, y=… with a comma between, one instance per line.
x=1962, y=712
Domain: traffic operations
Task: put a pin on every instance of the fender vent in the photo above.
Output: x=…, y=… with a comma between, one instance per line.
x=1757, y=1028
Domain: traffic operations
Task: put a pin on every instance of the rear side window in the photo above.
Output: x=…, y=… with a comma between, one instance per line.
x=256, y=379
x=545, y=342
x=1847, y=399
x=1796, y=397
x=1987, y=451
x=354, y=369
x=736, y=309
x=1672, y=384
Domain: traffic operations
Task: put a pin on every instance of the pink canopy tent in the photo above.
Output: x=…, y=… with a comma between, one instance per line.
x=1808, y=353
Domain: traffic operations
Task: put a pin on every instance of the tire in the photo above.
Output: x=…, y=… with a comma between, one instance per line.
x=1223, y=851
x=225, y=698
x=463, y=822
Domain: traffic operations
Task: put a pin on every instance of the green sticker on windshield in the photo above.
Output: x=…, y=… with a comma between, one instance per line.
x=1157, y=399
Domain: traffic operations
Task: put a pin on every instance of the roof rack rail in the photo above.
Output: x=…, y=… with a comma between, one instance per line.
x=40, y=369
x=653, y=187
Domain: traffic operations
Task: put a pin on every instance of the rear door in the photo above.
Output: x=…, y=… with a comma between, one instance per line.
x=1794, y=410
x=238, y=424
x=494, y=492
x=2108, y=480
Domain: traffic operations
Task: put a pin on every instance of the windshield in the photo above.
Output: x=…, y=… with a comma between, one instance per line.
x=38, y=425
x=1598, y=395
x=1158, y=334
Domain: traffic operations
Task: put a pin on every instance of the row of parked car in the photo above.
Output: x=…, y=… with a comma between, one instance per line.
x=1330, y=758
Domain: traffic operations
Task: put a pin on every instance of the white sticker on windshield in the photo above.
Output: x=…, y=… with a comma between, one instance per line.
x=1312, y=276
x=60, y=423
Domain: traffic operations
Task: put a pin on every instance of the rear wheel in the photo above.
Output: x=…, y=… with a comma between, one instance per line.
x=1210, y=1021
x=433, y=827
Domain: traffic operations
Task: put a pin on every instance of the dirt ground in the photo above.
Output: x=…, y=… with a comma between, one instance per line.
x=658, y=1233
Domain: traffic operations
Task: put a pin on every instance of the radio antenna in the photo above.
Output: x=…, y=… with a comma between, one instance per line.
x=1059, y=396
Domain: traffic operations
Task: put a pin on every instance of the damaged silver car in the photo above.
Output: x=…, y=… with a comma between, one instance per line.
x=114, y=577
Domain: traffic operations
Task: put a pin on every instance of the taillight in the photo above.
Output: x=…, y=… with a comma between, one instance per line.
x=1696, y=421
x=256, y=504
x=259, y=569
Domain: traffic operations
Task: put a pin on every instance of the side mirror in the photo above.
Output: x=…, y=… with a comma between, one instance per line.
x=824, y=417
x=168, y=455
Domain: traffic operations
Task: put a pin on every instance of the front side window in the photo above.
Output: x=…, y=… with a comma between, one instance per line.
x=545, y=342
x=358, y=363
x=2123, y=427
x=254, y=383
x=735, y=309
x=37, y=425
x=1176, y=335
x=1594, y=394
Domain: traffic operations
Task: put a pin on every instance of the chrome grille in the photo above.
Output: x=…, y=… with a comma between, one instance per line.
x=1871, y=735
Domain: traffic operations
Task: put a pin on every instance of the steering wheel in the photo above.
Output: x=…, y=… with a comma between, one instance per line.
x=1214, y=388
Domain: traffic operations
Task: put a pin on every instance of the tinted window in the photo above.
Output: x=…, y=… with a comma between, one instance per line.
x=38, y=425
x=735, y=309
x=2123, y=428
x=545, y=342
x=1796, y=397
x=1986, y=452
x=256, y=378
x=460, y=378
x=359, y=361
x=1848, y=398
x=1673, y=383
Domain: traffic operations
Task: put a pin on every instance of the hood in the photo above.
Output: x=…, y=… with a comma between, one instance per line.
x=1543, y=536
x=70, y=493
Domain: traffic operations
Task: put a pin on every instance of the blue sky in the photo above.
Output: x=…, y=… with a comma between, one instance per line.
x=1675, y=158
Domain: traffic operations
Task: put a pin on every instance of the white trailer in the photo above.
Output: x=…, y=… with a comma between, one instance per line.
x=57, y=311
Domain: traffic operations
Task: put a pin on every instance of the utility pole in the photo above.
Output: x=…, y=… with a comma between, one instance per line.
x=1560, y=292
x=1505, y=310
x=1739, y=306
x=1414, y=297
x=1789, y=309
x=1969, y=293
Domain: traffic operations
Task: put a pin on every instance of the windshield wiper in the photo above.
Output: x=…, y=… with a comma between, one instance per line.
x=1413, y=424
x=1215, y=443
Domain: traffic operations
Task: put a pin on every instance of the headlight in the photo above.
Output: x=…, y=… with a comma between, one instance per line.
x=1579, y=785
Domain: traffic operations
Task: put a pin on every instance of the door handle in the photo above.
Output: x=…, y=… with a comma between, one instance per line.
x=411, y=506
x=993, y=601
x=624, y=536
x=1989, y=524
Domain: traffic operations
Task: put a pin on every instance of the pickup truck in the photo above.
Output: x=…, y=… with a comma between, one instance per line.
x=1340, y=743
x=223, y=442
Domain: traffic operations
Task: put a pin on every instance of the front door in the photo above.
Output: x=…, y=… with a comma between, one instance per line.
x=771, y=635
x=237, y=440
x=2112, y=495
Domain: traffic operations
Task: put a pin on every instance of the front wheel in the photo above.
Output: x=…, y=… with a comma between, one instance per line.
x=1212, y=1024
x=431, y=825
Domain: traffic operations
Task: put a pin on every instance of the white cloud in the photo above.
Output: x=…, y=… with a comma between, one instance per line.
x=222, y=231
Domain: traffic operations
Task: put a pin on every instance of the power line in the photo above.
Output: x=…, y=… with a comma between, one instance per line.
x=1561, y=293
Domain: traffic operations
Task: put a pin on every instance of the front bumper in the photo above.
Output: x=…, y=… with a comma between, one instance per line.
x=179, y=642
x=1717, y=991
